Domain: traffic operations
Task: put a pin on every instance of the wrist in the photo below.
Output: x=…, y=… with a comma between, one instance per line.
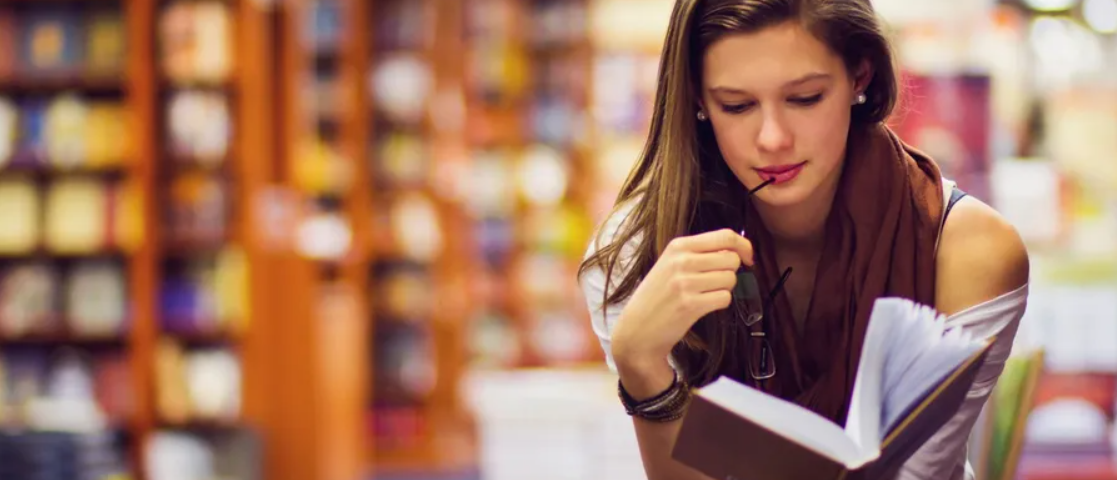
x=645, y=378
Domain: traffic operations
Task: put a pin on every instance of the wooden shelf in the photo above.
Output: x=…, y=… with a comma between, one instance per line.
x=61, y=2
x=53, y=84
x=203, y=338
x=177, y=165
x=227, y=85
x=183, y=248
x=41, y=254
x=50, y=173
x=64, y=339
x=203, y=425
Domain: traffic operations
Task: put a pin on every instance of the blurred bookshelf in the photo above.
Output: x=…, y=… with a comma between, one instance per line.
x=419, y=241
x=125, y=273
x=324, y=262
x=206, y=362
x=75, y=257
x=285, y=235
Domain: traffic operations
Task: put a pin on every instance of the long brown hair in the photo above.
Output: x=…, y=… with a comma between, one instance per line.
x=681, y=185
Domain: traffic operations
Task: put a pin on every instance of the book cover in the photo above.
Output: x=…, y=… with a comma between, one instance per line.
x=31, y=135
x=912, y=378
x=51, y=42
x=76, y=216
x=9, y=128
x=19, y=207
x=105, y=40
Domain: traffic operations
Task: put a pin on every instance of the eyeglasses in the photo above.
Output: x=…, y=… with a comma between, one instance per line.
x=752, y=313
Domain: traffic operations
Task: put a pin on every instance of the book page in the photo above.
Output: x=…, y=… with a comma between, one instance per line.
x=921, y=354
x=784, y=418
x=907, y=352
x=863, y=420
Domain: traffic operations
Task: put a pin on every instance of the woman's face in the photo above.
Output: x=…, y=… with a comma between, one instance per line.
x=780, y=102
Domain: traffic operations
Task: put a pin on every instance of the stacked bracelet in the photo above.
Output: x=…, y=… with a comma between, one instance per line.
x=668, y=406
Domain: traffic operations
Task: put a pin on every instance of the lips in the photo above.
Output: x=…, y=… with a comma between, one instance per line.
x=780, y=168
x=780, y=173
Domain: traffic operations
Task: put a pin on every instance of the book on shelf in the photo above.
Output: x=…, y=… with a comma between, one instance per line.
x=913, y=375
x=51, y=42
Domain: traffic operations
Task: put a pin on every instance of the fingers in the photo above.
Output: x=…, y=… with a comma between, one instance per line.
x=710, y=301
x=706, y=282
x=718, y=240
x=708, y=262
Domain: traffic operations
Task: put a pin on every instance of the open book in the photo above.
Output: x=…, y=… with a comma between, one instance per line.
x=912, y=378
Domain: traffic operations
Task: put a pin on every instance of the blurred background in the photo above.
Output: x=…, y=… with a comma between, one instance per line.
x=337, y=239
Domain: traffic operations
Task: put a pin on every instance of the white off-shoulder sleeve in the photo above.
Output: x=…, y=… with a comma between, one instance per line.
x=943, y=457
x=592, y=282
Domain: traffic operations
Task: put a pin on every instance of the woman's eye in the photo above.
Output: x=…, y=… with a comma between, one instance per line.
x=806, y=101
x=738, y=108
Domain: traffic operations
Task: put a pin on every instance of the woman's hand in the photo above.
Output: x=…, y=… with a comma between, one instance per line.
x=694, y=276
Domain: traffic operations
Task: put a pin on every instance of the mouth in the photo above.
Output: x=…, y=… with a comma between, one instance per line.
x=780, y=173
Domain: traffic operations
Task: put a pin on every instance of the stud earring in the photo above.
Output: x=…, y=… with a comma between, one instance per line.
x=702, y=116
x=861, y=99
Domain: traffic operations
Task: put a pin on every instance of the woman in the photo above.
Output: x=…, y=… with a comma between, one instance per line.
x=768, y=151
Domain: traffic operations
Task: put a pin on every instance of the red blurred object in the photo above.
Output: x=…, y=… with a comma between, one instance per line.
x=1099, y=389
x=949, y=118
x=1100, y=470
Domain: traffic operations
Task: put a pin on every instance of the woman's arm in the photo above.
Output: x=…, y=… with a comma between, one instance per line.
x=656, y=439
x=693, y=277
x=982, y=272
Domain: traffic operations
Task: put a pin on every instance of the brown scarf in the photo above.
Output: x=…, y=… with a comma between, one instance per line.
x=880, y=241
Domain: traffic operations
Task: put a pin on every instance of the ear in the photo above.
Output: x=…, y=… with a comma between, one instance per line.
x=862, y=76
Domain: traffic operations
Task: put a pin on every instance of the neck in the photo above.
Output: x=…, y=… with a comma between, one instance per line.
x=800, y=227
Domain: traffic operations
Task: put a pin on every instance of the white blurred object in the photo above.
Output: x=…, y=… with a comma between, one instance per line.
x=1067, y=421
x=1077, y=326
x=1065, y=51
x=629, y=24
x=542, y=176
x=175, y=456
x=215, y=380
x=1101, y=15
x=1081, y=123
x=69, y=404
x=1026, y=192
x=401, y=86
x=558, y=336
x=491, y=185
x=902, y=12
x=324, y=236
x=65, y=131
x=416, y=227
x=1050, y=5
x=552, y=425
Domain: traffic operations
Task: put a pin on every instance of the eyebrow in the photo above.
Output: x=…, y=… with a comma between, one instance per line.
x=794, y=83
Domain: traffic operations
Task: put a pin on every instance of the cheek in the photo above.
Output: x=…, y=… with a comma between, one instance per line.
x=822, y=134
x=735, y=140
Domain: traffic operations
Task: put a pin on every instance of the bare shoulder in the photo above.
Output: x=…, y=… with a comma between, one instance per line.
x=981, y=257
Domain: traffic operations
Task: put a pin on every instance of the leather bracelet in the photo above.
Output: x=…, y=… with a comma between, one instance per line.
x=667, y=406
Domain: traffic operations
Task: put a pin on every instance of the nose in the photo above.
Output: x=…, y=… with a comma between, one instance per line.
x=774, y=135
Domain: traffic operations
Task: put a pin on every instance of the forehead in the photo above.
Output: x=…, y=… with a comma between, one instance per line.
x=767, y=58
